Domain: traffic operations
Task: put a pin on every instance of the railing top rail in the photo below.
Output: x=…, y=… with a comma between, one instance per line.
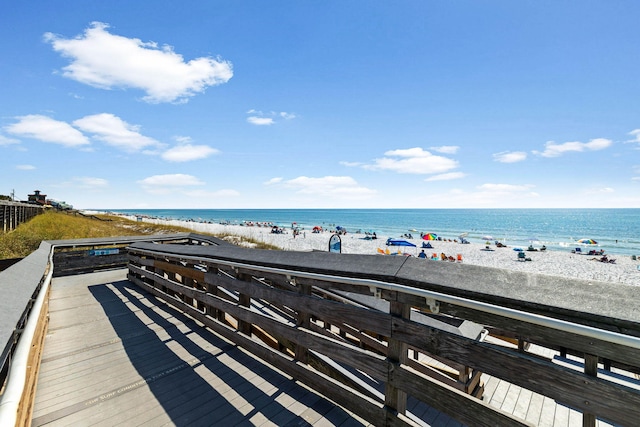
x=15, y=203
x=373, y=284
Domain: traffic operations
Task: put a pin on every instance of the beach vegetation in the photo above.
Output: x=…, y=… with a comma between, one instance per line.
x=52, y=225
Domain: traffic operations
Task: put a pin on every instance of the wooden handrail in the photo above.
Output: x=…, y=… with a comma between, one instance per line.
x=293, y=294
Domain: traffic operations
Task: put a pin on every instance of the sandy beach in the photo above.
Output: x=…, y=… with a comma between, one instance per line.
x=557, y=263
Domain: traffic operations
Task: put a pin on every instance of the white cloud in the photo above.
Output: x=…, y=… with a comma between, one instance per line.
x=413, y=160
x=188, y=152
x=107, y=61
x=287, y=116
x=25, y=167
x=46, y=129
x=555, y=150
x=600, y=190
x=505, y=188
x=447, y=176
x=115, y=132
x=636, y=135
x=182, y=139
x=90, y=182
x=273, y=181
x=350, y=164
x=259, y=118
x=203, y=194
x=343, y=187
x=446, y=149
x=510, y=156
x=8, y=141
x=491, y=195
x=165, y=184
x=260, y=121
x=171, y=180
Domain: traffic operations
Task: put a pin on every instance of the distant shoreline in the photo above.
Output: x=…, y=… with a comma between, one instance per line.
x=625, y=270
x=615, y=230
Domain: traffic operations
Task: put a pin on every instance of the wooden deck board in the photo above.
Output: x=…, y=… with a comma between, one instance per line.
x=112, y=356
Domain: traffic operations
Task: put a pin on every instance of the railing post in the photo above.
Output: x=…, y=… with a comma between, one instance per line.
x=395, y=398
x=303, y=321
x=590, y=369
x=189, y=282
x=245, y=301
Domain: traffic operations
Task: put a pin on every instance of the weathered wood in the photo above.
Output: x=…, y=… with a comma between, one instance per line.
x=394, y=397
x=590, y=369
x=316, y=307
x=546, y=336
x=621, y=404
x=27, y=401
x=303, y=321
x=12, y=214
x=358, y=358
x=130, y=374
x=323, y=284
x=451, y=401
x=184, y=271
x=349, y=399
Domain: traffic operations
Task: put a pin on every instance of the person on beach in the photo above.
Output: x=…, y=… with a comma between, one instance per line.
x=422, y=254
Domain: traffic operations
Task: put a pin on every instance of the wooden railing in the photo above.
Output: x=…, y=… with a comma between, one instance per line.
x=13, y=214
x=367, y=330
x=24, y=302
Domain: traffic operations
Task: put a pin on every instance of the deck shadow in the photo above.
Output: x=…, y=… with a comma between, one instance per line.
x=177, y=382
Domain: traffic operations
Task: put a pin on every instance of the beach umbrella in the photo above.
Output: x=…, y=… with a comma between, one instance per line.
x=429, y=236
x=487, y=237
x=317, y=227
x=587, y=242
x=463, y=234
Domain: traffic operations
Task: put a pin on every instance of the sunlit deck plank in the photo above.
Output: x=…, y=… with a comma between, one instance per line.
x=112, y=356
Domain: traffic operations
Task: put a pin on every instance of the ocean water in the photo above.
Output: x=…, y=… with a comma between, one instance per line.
x=617, y=231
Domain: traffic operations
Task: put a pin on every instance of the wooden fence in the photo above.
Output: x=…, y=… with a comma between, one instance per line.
x=13, y=214
x=81, y=256
x=366, y=330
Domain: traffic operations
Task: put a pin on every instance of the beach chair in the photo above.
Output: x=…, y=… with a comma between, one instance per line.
x=577, y=251
x=522, y=256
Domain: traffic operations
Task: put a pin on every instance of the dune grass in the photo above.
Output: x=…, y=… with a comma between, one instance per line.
x=61, y=226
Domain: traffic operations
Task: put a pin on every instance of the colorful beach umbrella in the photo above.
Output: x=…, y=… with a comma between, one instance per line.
x=587, y=242
x=429, y=236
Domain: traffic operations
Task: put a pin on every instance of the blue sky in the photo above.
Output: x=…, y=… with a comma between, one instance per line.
x=308, y=104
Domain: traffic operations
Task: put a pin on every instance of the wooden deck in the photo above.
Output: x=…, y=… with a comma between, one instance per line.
x=116, y=356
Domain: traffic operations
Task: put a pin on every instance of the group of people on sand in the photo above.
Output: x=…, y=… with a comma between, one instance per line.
x=442, y=257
